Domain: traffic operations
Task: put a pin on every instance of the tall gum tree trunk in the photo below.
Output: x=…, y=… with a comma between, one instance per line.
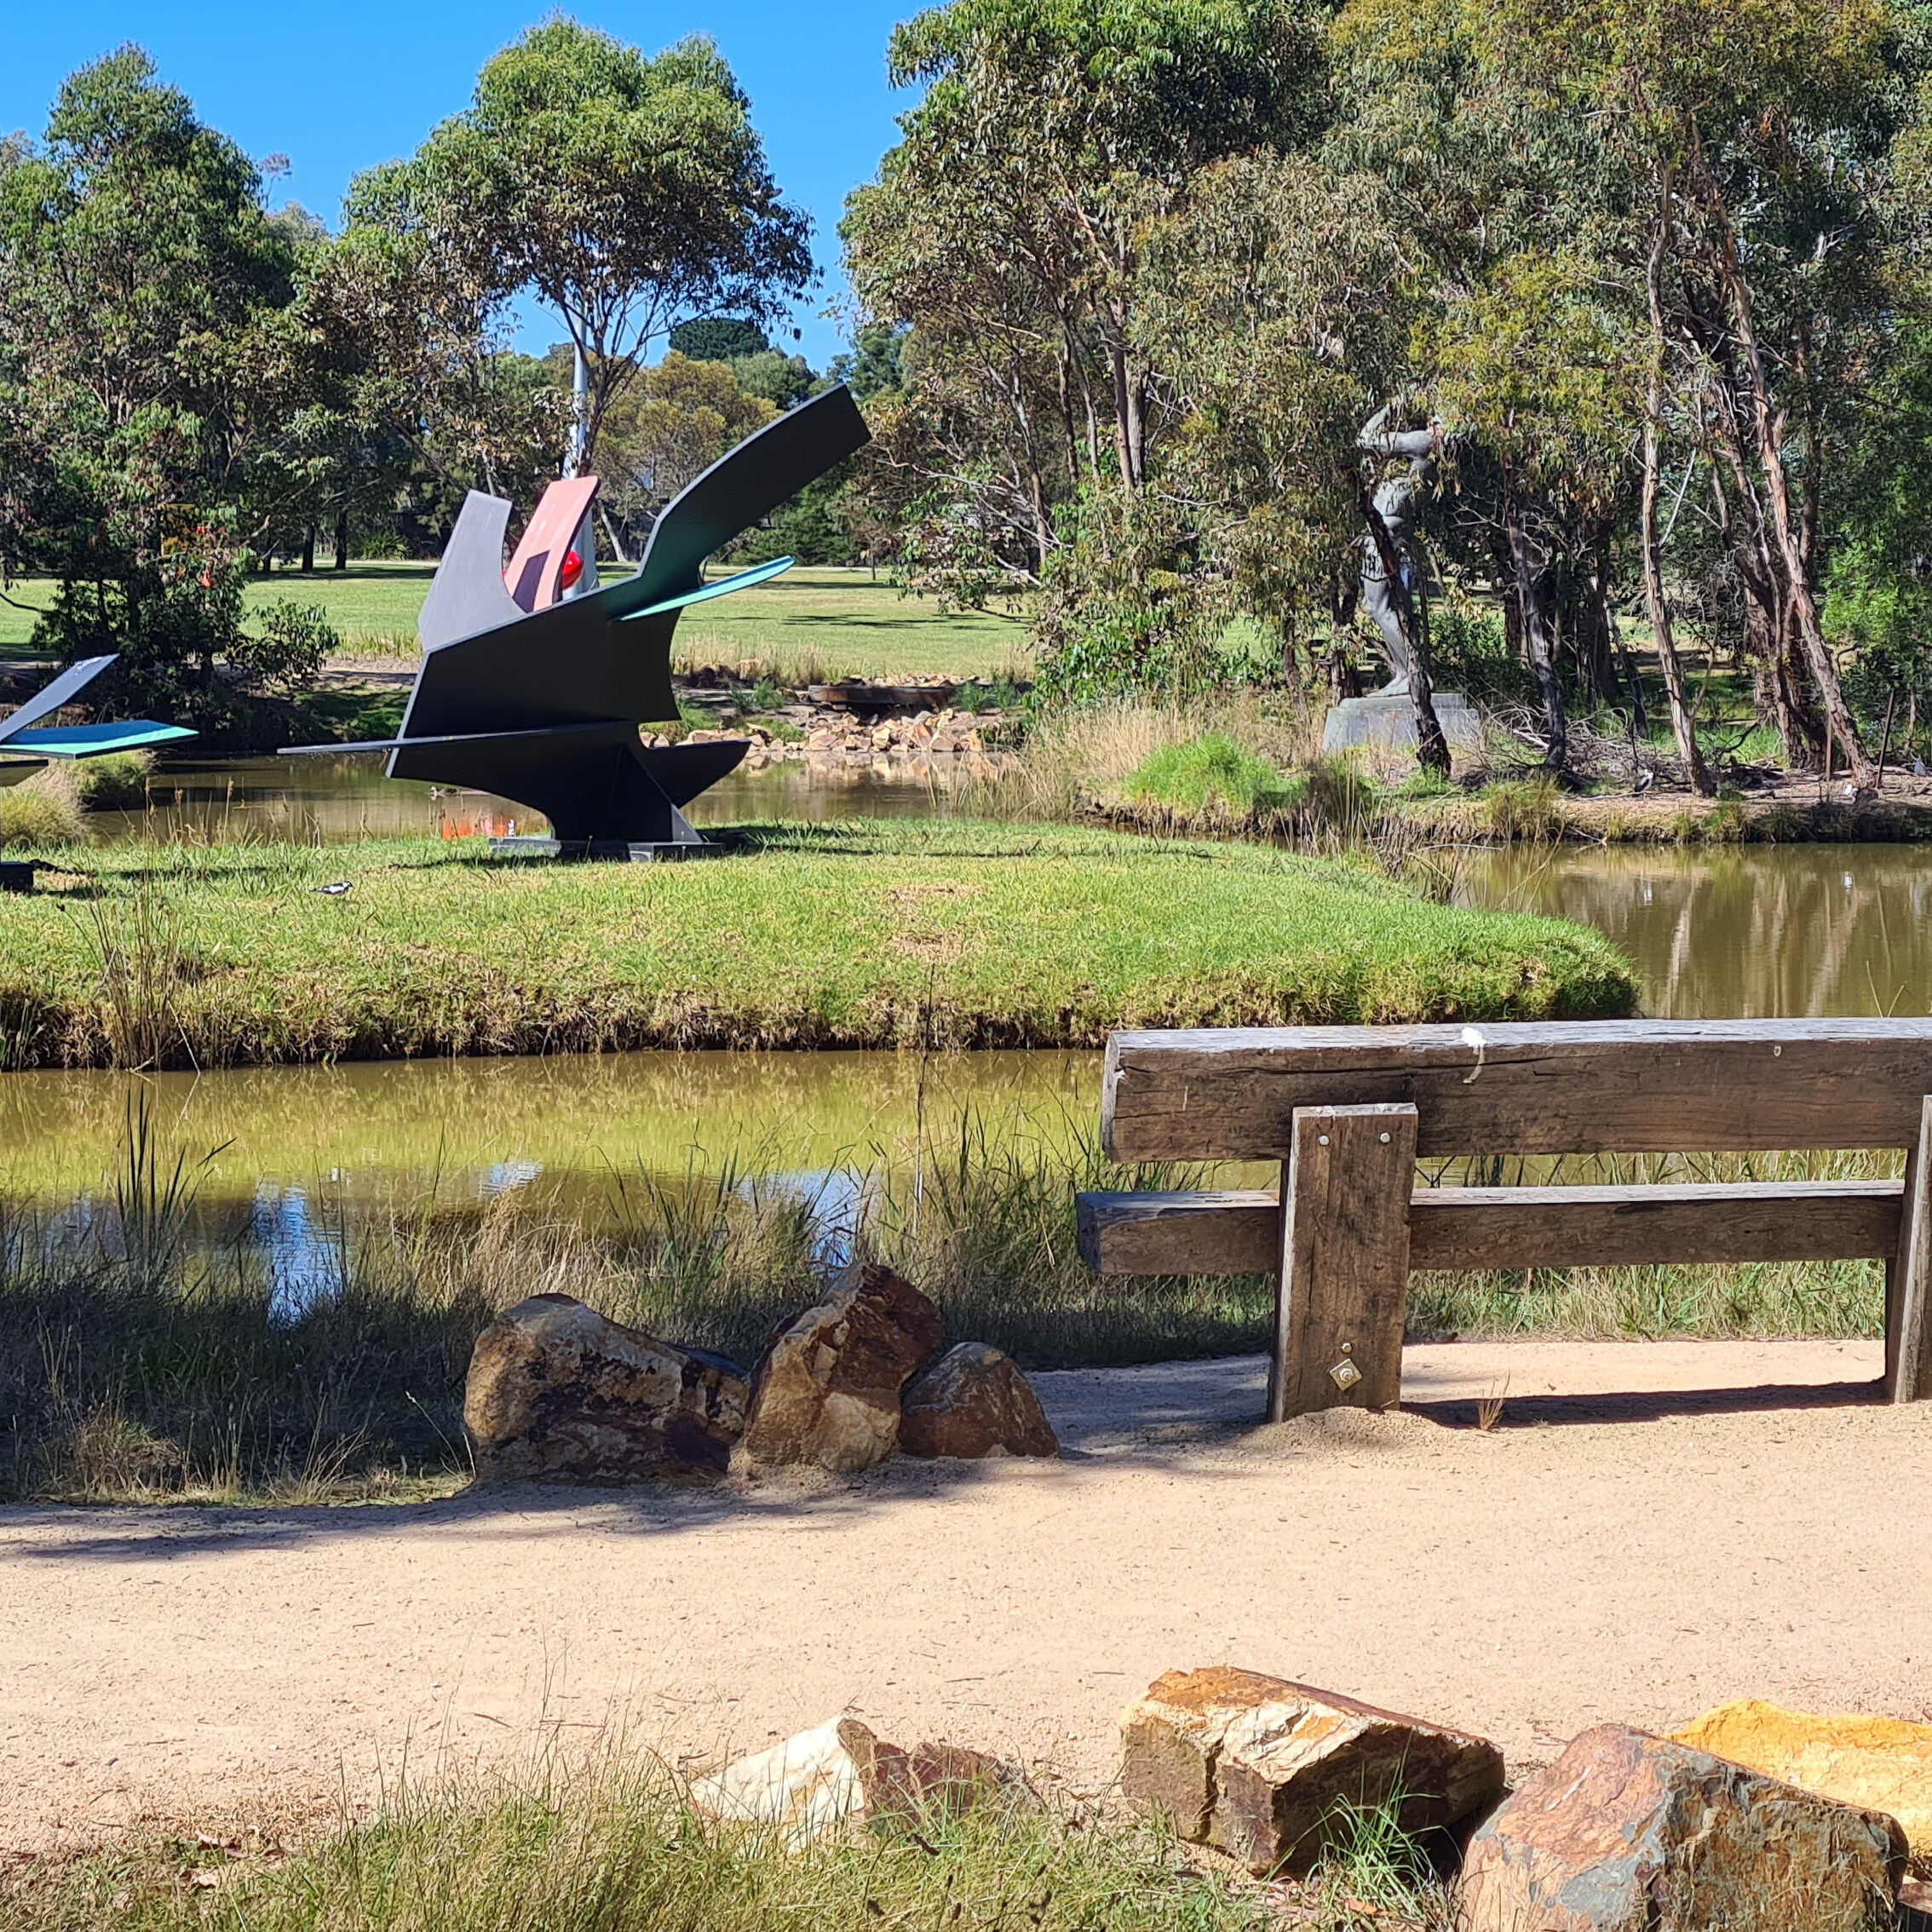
x=1529, y=568
x=1682, y=724
x=1769, y=425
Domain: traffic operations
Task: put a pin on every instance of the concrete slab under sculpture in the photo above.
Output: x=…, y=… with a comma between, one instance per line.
x=1386, y=720
x=543, y=704
x=62, y=742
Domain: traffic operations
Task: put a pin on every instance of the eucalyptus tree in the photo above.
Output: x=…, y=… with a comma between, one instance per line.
x=1512, y=220
x=1755, y=132
x=627, y=191
x=1004, y=230
x=150, y=365
x=1272, y=300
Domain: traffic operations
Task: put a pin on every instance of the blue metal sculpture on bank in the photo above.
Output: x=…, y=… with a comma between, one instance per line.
x=534, y=682
x=68, y=741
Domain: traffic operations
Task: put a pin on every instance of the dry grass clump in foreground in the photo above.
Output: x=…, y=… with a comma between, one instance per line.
x=43, y=811
x=615, y=1847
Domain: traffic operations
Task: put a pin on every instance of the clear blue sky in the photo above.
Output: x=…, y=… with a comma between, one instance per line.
x=338, y=88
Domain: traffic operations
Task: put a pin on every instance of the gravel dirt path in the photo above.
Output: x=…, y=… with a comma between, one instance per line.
x=1743, y=1521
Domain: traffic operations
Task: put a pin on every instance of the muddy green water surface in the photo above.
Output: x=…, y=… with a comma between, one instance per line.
x=1753, y=932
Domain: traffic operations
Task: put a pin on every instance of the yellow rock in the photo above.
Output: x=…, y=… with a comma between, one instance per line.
x=1882, y=1763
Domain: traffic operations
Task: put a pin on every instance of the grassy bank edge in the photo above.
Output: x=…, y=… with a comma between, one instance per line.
x=910, y=934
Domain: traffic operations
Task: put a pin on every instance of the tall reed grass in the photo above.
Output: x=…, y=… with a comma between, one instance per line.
x=42, y=812
x=153, y=1346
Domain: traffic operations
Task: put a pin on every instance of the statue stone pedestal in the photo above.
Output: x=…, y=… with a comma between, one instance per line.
x=1387, y=720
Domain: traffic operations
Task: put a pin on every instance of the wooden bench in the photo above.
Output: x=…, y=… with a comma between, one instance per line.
x=1347, y=1111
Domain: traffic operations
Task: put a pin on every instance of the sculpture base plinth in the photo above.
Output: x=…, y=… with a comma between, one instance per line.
x=1387, y=721
x=610, y=851
x=16, y=876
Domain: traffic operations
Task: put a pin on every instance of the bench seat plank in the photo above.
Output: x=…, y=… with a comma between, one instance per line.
x=1629, y=1086
x=1239, y=1231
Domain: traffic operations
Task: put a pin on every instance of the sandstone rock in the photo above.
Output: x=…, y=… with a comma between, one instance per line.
x=827, y=1390
x=1626, y=1833
x=1878, y=1763
x=801, y=1788
x=812, y=1782
x=557, y=1390
x=973, y=1401
x=1258, y=1766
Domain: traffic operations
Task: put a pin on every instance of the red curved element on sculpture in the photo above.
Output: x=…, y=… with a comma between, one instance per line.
x=541, y=571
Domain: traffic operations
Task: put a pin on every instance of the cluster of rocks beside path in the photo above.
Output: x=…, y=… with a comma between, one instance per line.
x=558, y=1392
x=1624, y=1833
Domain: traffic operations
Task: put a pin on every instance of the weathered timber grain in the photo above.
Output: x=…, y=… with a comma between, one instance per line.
x=1626, y=1086
x=1908, y=1279
x=1343, y=1287
x=1236, y=1231
x=1455, y=1229
x=1226, y=1231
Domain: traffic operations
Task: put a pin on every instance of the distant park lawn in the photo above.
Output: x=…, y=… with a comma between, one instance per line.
x=820, y=622
x=870, y=934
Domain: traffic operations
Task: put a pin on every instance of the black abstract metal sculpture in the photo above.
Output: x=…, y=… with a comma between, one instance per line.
x=540, y=701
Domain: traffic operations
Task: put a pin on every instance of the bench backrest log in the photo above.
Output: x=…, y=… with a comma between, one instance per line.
x=1609, y=1086
x=1347, y=1110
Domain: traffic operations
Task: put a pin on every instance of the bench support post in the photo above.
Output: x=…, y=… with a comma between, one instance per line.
x=1342, y=1291
x=1908, y=1280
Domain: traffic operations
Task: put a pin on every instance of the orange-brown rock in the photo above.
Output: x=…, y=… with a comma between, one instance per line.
x=1627, y=1832
x=1261, y=1768
x=828, y=1387
x=974, y=1401
x=1880, y=1763
x=557, y=1391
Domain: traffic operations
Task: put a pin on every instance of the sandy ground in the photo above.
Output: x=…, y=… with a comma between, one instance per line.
x=1748, y=1522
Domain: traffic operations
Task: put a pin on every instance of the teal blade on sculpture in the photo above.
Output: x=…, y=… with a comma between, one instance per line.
x=761, y=573
x=84, y=741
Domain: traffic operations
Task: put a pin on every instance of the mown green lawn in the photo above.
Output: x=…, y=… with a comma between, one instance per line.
x=810, y=623
x=868, y=935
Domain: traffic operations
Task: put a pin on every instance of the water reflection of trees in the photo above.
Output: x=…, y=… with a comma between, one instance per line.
x=1766, y=932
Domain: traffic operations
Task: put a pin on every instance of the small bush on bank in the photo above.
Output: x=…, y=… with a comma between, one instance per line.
x=1523, y=811
x=41, y=811
x=116, y=782
x=1212, y=772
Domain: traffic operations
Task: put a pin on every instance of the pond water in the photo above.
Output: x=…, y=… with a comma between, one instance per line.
x=1750, y=932
x=335, y=800
x=298, y=1147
